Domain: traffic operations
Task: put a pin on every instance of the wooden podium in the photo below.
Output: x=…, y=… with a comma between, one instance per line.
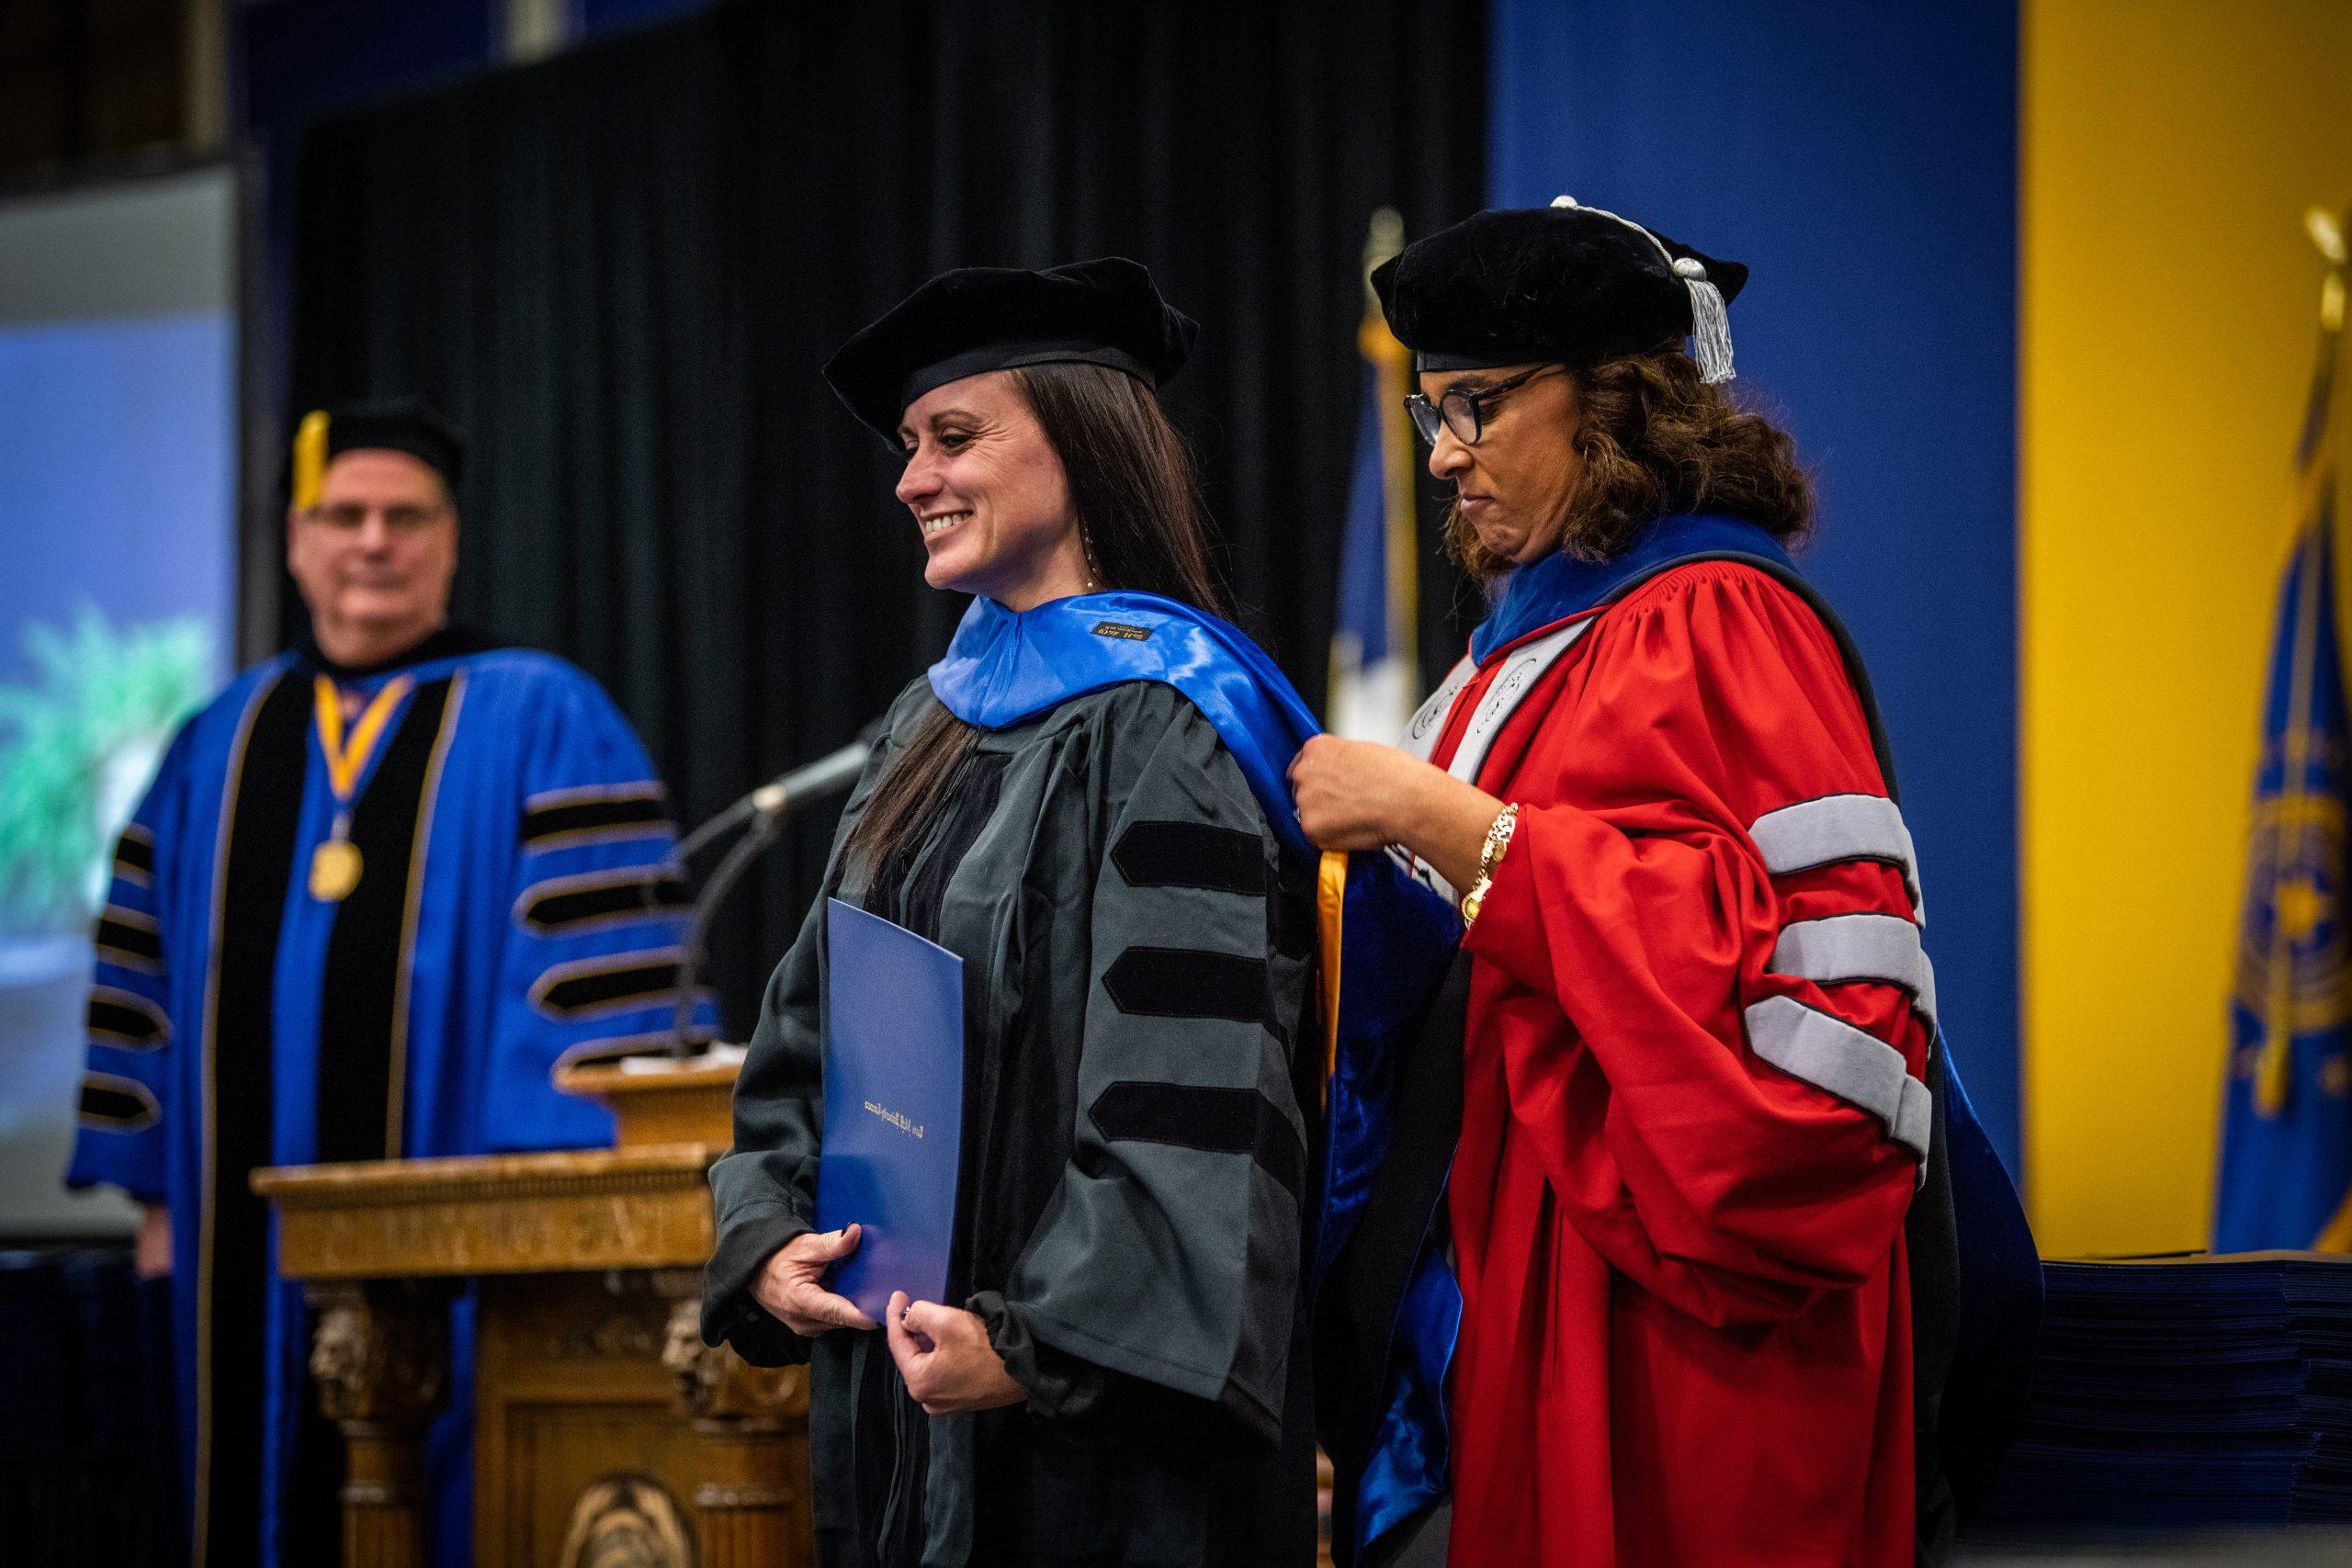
x=606, y=1433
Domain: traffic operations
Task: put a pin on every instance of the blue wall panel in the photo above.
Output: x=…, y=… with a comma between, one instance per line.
x=1861, y=158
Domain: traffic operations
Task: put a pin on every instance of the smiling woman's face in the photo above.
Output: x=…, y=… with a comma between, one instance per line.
x=989, y=494
x=1514, y=486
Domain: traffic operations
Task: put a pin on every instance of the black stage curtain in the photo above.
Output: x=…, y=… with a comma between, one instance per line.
x=620, y=269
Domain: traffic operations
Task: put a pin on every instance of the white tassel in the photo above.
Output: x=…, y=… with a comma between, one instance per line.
x=1710, y=326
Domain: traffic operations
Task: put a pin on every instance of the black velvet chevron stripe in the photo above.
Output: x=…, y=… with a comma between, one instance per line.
x=126, y=1020
x=117, y=1104
x=1183, y=981
x=141, y=944
x=135, y=856
x=1190, y=854
x=1290, y=913
x=555, y=906
x=617, y=815
x=1219, y=1120
x=629, y=981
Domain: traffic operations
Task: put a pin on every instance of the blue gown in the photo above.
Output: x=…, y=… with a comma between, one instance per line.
x=517, y=906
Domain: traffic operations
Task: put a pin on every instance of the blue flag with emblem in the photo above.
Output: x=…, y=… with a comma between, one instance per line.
x=1376, y=673
x=2287, y=1134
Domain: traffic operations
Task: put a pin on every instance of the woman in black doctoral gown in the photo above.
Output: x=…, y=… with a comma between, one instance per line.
x=1116, y=1375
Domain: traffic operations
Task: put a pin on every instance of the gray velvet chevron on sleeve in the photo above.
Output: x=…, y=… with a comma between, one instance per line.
x=1170, y=1251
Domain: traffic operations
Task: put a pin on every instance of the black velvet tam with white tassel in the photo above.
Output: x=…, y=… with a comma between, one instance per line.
x=1561, y=284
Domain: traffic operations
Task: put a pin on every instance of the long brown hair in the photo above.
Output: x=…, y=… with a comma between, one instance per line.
x=1656, y=440
x=1144, y=527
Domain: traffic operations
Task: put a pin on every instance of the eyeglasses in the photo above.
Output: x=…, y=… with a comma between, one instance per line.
x=1464, y=410
x=397, y=519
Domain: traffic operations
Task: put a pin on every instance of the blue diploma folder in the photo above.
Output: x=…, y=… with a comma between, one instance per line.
x=894, y=1106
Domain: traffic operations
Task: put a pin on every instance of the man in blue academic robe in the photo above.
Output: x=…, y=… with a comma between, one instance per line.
x=378, y=889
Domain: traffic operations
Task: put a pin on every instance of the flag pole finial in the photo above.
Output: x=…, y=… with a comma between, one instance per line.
x=2326, y=231
x=2327, y=234
x=1383, y=237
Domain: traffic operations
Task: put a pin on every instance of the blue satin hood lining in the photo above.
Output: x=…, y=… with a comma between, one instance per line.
x=1007, y=666
x=1559, y=586
x=1410, y=1464
x=1398, y=939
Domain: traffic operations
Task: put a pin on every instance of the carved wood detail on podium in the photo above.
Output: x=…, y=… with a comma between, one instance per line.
x=606, y=1434
x=640, y=1208
x=381, y=1359
x=626, y=1521
x=752, y=1503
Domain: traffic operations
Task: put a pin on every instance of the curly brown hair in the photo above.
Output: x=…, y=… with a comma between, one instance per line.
x=1655, y=441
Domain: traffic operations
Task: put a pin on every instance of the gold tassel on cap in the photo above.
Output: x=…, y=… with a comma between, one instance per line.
x=309, y=460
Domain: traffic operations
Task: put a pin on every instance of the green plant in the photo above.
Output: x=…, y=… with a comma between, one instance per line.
x=77, y=743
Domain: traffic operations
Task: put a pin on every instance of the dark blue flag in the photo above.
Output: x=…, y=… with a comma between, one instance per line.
x=1376, y=675
x=2286, y=1135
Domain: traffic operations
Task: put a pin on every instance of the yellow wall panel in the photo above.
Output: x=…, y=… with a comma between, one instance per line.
x=2168, y=305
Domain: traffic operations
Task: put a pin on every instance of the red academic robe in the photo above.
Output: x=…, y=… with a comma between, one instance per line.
x=1686, y=1321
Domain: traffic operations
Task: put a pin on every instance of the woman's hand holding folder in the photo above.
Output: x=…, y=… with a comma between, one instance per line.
x=791, y=1286
x=945, y=1357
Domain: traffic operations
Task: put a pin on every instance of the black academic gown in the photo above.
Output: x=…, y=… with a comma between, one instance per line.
x=1139, y=1050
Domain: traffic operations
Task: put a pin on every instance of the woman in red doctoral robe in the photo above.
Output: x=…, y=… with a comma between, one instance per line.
x=1693, y=1118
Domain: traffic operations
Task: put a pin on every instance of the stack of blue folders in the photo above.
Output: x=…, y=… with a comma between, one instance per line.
x=2181, y=1394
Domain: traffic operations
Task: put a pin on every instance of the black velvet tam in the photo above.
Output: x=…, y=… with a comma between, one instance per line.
x=1565, y=284
x=978, y=319
x=398, y=424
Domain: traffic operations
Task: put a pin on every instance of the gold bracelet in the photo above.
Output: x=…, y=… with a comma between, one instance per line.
x=1490, y=855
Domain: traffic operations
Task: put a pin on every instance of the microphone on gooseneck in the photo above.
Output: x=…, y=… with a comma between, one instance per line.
x=765, y=809
x=833, y=772
x=828, y=774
